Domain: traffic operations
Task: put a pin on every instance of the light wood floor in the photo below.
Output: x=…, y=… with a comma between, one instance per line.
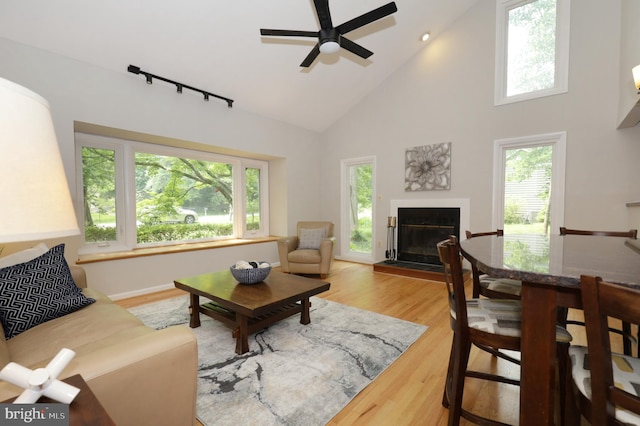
x=409, y=392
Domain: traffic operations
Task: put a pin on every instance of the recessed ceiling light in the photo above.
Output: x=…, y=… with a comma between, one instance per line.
x=425, y=36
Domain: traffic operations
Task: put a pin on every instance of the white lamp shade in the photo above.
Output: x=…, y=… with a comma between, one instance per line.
x=35, y=200
x=636, y=76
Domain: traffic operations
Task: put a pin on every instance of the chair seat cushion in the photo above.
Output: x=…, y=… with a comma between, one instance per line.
x=501, y=285
x=502, y=317
x=626, y=376
x=305, y=256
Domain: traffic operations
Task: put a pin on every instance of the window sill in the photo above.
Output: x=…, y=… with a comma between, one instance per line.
x=178, y=248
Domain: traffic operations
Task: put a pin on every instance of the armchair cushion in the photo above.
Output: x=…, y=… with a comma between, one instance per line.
x=305, y=256
x=311, y=238
x=37, y=291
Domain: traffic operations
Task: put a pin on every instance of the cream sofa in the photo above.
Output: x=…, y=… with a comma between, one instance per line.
x=140, y=375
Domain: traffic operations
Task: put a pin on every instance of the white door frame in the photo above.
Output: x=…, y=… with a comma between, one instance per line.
x=345, y=237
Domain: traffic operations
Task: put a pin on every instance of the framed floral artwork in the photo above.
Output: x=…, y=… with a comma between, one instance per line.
x=428, y=167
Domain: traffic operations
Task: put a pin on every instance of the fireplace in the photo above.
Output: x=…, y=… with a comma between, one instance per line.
x=421, y=228
x=420, y=246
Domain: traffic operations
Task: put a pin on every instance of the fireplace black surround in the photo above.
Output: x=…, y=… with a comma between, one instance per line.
x=421, y=228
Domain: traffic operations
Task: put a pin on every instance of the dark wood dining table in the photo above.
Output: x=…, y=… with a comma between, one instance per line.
x=549, y=268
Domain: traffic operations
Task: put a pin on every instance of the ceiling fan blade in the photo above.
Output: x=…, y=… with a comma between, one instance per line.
x=324, y=16
x=311, y=56
x=367, y=18
x=355, y=48
x=288, y=33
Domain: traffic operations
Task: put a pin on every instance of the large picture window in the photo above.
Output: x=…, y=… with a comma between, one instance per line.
x=532, y=49
x=138, y=194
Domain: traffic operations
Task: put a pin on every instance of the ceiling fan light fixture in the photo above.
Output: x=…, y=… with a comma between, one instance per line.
x=330, y=37
x=329, y=47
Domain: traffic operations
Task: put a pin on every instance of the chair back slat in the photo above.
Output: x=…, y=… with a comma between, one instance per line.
x=498, y=232
x=632, y=233
x=602, y=300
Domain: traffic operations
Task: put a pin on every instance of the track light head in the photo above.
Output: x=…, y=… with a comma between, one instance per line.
x=133, y=69
x=206, y=97
x=179, y=88
x=149, y=79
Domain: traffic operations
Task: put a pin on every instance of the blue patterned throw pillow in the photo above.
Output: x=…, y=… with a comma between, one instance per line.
x=37, y=291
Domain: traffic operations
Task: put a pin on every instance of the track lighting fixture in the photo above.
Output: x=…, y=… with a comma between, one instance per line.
x=179, y=86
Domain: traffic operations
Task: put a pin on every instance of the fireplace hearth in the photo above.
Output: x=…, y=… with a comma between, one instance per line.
x=419, y=229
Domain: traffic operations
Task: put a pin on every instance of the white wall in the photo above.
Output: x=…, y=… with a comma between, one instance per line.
x=80, y=92
x=629, y=56
x=445, y=94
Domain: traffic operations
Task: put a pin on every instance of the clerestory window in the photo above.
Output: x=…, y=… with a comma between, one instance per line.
x=532, y=49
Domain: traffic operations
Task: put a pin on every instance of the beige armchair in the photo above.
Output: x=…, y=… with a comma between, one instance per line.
x=310, y=251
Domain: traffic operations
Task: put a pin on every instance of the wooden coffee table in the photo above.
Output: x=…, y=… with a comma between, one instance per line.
x=248, y=308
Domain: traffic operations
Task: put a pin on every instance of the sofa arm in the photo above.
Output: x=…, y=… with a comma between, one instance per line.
x=285, y=246
x=151, y=379
x=79, y=276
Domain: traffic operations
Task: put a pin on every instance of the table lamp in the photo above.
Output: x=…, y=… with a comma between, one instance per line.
x=36, y=204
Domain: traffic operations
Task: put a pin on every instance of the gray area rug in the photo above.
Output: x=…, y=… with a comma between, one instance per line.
x=293, y=374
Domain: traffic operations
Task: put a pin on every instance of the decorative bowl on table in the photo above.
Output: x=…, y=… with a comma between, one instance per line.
x=250, y=272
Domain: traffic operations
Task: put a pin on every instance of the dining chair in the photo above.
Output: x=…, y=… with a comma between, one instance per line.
x=606, y=384
x=628, y=339
x=493, y=287
x=488, y=324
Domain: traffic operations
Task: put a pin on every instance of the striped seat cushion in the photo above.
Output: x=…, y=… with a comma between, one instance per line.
x=502, y=285
x=502, y=317
x=626, y=376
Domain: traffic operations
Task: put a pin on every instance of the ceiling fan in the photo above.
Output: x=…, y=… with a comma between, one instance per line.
x=330, y=38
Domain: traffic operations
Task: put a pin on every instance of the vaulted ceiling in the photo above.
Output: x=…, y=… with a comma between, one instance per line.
x=215, y=45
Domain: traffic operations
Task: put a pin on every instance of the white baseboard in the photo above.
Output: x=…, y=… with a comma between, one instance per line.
x=141, y=292
x=150, y=290
x=355, y=260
